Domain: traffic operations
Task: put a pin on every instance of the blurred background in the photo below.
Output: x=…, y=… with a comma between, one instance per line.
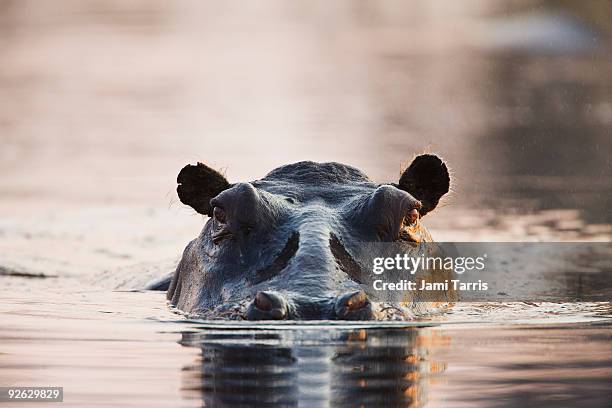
x=102, y=102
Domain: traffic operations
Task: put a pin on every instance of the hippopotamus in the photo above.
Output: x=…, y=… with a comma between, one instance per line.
x=281, y=247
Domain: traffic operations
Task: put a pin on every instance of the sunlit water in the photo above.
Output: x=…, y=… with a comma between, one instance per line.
x=102, y=104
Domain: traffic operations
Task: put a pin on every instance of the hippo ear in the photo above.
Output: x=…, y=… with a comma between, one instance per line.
x=198, y=184
x=427, y=180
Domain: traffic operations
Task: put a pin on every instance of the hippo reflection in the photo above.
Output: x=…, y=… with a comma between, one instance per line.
x=280, y=247
x=312, y=368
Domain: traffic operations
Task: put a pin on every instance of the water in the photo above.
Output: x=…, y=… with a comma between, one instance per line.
x=438, y=365
x=127, y=348
x=103, y=103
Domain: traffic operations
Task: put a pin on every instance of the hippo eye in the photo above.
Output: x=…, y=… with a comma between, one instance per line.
x=219, y=214
x=413, y=217
x=410, y=229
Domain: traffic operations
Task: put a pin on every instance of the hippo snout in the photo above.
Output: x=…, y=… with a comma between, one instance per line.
x=268, y=306
x=354, y=306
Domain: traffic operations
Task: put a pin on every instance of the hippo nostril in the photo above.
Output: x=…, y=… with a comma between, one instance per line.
x=267, y=306
x=263, y=301
x=356, y=300
x=354, y=306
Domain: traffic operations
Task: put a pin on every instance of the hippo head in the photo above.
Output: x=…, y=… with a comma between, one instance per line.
x=280, y=247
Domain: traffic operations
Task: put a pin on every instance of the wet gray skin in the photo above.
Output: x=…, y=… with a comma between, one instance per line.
x=281, y=247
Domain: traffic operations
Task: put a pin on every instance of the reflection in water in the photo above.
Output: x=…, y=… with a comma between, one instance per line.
x=316, y=367
x=455, y=365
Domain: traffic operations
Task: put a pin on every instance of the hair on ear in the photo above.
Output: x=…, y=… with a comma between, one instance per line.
x=427, y=180
x=198, y=184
